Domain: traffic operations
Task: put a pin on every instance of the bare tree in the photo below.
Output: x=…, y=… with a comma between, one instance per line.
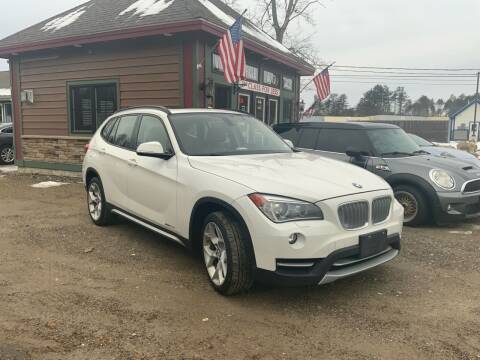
x=278, y=15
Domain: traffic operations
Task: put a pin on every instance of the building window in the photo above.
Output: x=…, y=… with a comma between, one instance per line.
x=217, y=63
x=252, y=73
x=288, y=83
x=90, y=105
x=270, y=78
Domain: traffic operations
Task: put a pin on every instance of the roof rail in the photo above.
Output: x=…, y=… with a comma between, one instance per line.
x=156, y=107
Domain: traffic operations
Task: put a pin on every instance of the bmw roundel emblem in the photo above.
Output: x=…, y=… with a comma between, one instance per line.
x=358, y=186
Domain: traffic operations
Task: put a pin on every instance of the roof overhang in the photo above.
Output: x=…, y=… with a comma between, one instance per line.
x=171, y=28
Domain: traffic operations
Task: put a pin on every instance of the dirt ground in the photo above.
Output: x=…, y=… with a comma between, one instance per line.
x=70, y=290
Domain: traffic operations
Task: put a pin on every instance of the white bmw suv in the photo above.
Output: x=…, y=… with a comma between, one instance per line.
x=225, y=185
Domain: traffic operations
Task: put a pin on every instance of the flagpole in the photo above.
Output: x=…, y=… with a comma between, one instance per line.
x=201, y=63
x=328, y=67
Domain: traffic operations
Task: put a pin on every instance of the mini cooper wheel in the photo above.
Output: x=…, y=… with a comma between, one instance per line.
x=414, y=203
x=226, y=255
x=97, y=206
x=7, y=156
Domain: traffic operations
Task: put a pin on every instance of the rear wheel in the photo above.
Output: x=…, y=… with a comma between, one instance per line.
x=227, y=261
x=414, y=203
x=97, y=205
x=7, y=156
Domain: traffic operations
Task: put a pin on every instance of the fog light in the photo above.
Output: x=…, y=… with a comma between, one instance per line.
x=292, y=240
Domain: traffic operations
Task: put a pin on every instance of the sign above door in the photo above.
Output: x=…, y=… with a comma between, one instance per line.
x=259, y=88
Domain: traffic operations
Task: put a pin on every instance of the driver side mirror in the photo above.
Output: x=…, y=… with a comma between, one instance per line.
x=289, y=143
x=356, y=154
x=153, y=149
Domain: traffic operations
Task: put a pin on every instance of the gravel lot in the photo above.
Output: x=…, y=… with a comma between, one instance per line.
x=70, y=290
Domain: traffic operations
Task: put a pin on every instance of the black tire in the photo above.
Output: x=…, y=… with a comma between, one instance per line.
x=240, y=272
x=104, y=215
x=4, y=148
x=422, y=213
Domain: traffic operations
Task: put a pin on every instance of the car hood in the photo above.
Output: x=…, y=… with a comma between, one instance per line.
x=452, y=153
x=297, y=175
x=421, y=165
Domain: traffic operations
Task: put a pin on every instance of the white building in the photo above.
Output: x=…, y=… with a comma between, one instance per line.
x=462, y=122
x=5, y=98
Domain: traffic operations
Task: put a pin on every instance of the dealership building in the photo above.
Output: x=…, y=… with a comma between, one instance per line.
x=70, y=72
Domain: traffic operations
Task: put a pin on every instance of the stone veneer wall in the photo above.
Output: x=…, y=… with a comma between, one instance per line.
x=59, y=150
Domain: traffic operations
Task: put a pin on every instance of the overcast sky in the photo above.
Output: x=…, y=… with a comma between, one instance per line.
x=384, y=33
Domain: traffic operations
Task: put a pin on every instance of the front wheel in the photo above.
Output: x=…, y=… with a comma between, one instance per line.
x=226, y=254
x=7, y=156
x=414, y=203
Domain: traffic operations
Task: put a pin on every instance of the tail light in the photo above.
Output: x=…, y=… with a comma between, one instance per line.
x=86, y=147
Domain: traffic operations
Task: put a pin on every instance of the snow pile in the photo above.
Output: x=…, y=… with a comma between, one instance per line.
x=48, y=184
x=5, y=92
x=8, y=169
x=147, y=7
x=65, y=20
x=248, y=28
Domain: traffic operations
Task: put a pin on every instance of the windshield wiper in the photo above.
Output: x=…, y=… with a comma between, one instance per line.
x=421, y=152
x=397, y=153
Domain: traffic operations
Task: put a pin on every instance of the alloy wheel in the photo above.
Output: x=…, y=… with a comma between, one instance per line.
x=7, y=155
x=215, y=253
x=95, y=204
x=409, y=203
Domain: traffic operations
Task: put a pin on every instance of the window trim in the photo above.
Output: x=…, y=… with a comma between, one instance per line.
x=78, y=83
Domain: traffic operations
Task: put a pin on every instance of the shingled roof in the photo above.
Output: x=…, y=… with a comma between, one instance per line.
x=100, y=20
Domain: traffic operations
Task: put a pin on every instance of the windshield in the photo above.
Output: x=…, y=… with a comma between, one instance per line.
x=221, y=134
x=420, y=141
x=393, y=143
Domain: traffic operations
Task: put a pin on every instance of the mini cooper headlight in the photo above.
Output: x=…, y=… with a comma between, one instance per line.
x=442, y=179
x=280, y=209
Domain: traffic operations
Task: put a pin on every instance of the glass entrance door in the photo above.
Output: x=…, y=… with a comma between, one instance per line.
x=272, y=112
x=260, y=108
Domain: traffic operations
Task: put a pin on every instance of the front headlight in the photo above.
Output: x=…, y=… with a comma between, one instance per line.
x=280, y=209
x=442, y=179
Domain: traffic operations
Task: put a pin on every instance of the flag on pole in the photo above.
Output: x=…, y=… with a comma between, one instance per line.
x=322, y=83
x=232, y=53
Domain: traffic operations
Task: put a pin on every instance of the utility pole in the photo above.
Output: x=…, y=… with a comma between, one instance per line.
x=475, y=127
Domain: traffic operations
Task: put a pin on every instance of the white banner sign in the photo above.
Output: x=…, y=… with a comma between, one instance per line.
x=264, y=89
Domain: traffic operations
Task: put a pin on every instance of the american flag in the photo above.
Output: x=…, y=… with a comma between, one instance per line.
x=232, y=53
x=322, y=83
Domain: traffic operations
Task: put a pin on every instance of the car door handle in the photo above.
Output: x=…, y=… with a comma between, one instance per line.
x=132, y=163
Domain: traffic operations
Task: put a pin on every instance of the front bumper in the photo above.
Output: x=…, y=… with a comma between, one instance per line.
x=458, y=206
x=338, y=265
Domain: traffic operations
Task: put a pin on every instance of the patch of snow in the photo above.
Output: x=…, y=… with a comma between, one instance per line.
x=5, y=92
x=48, y=184
x=8, y=169
x=65, y=20
x=250, y=29
x=147, y=7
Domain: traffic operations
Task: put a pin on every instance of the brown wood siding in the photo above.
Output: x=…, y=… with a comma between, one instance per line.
x=147, y=71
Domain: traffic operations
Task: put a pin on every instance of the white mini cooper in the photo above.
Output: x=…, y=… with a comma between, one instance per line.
x=225, y=185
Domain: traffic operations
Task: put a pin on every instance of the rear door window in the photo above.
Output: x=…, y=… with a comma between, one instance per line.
x=107, y=129
x=125, y=136
x=308, y=138
x=339, y=140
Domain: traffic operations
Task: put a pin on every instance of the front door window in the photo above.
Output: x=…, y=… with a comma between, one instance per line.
x=260, y=108
x=244, y=103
